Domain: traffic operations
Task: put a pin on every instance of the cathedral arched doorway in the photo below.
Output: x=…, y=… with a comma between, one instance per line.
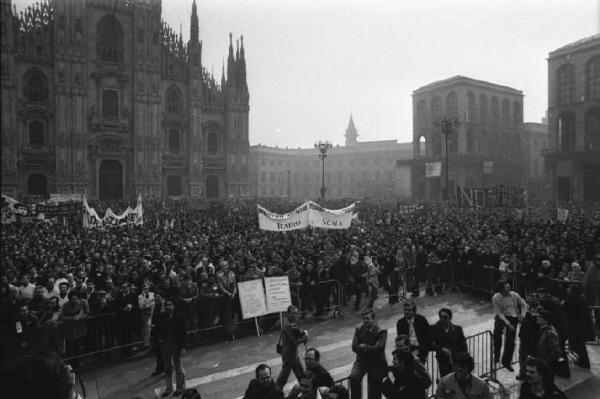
x=174, y=185
x=37, y=185
x=110, y=178
x=212, y=187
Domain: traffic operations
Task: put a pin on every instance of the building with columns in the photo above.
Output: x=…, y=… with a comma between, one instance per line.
x=573, y=158
x=103, y=98
x=486, y=146
x=355, y=170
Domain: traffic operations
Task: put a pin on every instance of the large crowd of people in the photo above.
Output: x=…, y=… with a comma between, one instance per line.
x=61, y=283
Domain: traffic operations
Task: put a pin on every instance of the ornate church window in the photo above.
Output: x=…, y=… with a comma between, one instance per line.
x=110, y=105
x=109, y=39
x=35, y=85
x=36, y=134
x=174, y=100
x=174, y=141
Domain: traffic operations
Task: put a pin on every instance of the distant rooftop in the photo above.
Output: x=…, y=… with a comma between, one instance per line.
x=591, y=40
x=458, y=79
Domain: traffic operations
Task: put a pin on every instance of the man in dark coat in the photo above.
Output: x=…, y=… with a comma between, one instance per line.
x=321, y=377
x=416, y=327
x=447, y=340
x=170, y=333
x=529, y=335
x=369, y=345
x=263, y=386
x=291, y=337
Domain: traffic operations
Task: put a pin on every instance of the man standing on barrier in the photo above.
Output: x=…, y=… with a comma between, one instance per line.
x=510, y=309
x=291, y=337
x=416, y=327
x=369, y=345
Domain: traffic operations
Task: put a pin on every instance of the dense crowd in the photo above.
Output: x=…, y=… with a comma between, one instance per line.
x=58, y=273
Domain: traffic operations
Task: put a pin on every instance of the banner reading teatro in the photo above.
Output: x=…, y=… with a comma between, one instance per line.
x=307, y=214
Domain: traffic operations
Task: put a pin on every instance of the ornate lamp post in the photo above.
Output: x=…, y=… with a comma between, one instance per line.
x=323, y=147
x=446, y=124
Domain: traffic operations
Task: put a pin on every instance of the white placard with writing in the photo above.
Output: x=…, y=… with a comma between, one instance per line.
x=278, y=294
x=252, y=298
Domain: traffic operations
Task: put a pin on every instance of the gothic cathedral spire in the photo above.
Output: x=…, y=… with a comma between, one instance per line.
x=194, y=30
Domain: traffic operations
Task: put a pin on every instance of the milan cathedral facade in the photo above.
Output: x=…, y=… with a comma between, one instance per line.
x=101, y=97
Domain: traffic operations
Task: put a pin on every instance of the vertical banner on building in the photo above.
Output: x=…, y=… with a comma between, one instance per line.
x=252, y=298
x=433, y=169
x=277, y=292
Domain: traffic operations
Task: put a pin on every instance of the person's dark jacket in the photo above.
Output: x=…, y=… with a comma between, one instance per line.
x=559, y=320
x=578, y=317
x=322, y=378
x=256, y=391
x=422, y=330
x=412, y=384
x=529, y=335
x=375, y=339
x=291, y=337
x=525, y=393
x=170, y=329
x=454, y=339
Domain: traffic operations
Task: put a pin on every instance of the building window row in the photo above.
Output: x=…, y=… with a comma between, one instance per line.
x=565, y=77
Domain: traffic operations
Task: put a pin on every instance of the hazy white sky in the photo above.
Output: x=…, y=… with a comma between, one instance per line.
x=311, y=63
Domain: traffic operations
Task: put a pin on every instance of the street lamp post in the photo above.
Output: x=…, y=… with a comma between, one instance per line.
x=446, y=125
x=323, y=147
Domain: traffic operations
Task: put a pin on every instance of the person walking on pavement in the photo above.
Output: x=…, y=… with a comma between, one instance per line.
x=170, y=332
x=369, y=345
x=416, y=327
x=291, y=337
x=447, y=340
x=510, y=309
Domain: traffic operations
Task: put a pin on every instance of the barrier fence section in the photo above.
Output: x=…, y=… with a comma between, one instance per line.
x=480, y=347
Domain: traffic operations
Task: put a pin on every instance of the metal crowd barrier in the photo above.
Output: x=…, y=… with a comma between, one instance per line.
x=481, y=347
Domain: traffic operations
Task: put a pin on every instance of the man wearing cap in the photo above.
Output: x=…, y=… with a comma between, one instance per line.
x=369, y=345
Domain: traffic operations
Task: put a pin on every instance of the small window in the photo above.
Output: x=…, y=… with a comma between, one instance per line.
x=35, y=85
x=140, y=36
x=78, y=26
x=174, y=141
x=212, y=145
x=174, y=100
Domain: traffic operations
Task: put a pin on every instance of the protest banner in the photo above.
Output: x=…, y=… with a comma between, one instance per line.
x=50, y=211
x=278, y=294
x=128, y=217
x=295, y=220
x=252, y=298
x=14, y=206
x=307, y=214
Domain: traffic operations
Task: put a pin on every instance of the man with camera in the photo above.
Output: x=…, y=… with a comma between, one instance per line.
x=291, y=337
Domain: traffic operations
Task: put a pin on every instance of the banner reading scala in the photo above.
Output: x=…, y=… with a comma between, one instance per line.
x=307, y=214
x=133, y=216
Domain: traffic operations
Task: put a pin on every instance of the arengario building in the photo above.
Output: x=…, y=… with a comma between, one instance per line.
x=101, y=97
